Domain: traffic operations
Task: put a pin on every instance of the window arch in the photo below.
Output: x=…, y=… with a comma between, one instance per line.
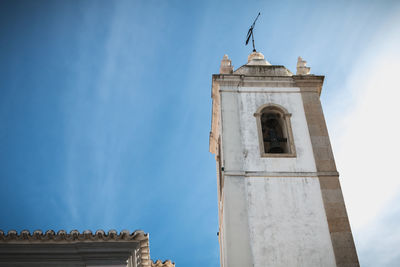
x=274, y=131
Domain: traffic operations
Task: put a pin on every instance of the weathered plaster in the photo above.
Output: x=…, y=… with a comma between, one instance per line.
x=287, y=222
x=292, y=102
x=237, y=251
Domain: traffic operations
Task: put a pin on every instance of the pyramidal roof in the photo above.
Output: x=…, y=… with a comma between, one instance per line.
x=257, y=65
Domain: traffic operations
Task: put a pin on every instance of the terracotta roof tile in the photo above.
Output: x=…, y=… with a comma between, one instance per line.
x=159, y=263
x=72, y=236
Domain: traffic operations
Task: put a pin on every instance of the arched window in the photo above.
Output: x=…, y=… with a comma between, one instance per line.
x=274, y=131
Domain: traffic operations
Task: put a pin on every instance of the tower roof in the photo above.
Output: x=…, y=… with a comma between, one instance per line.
x=257, y=65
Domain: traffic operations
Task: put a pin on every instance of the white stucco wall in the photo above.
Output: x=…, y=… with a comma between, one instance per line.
x=231, y=133
x=292, y=102
x=240, y=136
x=287, y=222
x=237, y=250
x=270, y=221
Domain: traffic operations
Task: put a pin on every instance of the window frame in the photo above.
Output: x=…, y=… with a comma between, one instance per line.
x=287, y=129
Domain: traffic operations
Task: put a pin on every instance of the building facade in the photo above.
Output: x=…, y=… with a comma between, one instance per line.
x=76, y=249
x=280, y=201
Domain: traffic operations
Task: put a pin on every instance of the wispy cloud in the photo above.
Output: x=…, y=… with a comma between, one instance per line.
x=91, y=124
x=107, y=103
x=367, y=144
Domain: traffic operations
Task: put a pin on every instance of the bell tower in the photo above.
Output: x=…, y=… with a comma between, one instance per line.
x=279, y=197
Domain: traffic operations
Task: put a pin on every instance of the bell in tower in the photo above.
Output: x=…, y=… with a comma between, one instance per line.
x=272, y=133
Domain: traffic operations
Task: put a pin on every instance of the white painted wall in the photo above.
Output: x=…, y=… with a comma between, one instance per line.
x=237, y=250
x=268, y=221
x=239, y=123
x=287, y=223
x=231, y=133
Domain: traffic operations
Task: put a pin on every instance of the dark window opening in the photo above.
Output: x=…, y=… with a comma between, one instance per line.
x=275, y=141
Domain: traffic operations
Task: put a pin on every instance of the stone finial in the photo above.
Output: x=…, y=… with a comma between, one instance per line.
x=302, y=68
x=256, y=58
x=226, y=65
x=255, y=55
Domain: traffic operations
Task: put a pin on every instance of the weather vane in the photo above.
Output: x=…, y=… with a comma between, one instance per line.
x=251, y=34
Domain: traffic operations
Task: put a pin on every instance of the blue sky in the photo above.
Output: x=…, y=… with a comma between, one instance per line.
x=105, y=112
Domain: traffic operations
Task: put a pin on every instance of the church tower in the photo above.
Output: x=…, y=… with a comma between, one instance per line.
x=279, y=197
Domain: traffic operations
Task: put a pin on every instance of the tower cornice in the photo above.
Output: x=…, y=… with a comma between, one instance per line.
x=309, y=82
x=312, y=83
